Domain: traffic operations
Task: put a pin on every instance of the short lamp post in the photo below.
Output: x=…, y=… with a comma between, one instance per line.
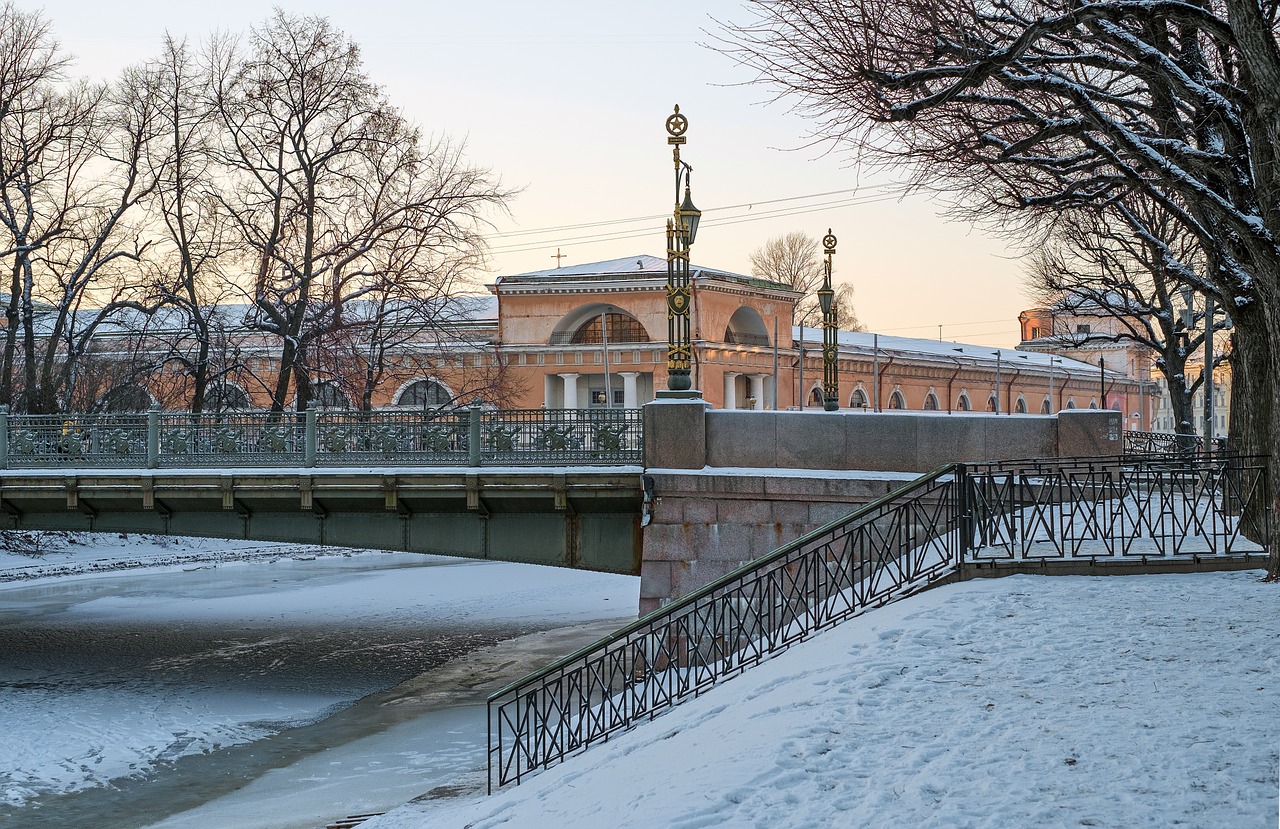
x=826, y=297
x=682, y=229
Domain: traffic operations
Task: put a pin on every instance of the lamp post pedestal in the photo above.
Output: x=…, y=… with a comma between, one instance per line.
x=682, y=394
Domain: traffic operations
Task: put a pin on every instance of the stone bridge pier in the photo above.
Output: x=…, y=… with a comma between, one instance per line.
x=725, y=487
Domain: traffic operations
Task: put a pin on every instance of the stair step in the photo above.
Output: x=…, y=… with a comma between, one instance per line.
x=351, y=821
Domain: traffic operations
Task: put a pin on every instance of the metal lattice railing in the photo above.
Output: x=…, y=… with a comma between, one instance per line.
x=1066, y=508
x=457, y=437
x=1160, y=443
x=1142, y=507
x=886, y=550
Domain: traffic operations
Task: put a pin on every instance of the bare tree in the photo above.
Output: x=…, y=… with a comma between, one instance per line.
x=72, y=183
x=1046, y=105
x=793, y=259
x=324, y=176
x=1126, y=263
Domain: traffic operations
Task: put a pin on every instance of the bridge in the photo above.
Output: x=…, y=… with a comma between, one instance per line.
x=676, y=492
x=546, y=487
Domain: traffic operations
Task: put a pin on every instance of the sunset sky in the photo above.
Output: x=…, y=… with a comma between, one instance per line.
x=567, y=100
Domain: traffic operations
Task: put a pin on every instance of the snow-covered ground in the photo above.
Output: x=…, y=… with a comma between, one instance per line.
x=122, y=658
x=1027, y=701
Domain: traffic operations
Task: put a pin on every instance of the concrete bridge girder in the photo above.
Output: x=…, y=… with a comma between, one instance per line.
x=584, y=519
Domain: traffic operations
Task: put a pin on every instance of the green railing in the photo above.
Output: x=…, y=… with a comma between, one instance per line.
x=457, y=437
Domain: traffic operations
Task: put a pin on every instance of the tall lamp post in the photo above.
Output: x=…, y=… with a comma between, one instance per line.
x=682, y=229
x=826, y=297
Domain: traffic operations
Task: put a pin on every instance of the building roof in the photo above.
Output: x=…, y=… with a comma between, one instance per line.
x=866, y=342
x=641, y=266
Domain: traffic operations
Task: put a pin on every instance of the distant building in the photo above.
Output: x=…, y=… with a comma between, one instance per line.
x=595, y=335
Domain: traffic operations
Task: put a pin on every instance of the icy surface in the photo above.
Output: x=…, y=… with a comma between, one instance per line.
x=1139, y=701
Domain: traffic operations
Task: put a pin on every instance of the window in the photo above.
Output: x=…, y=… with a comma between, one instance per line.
x=896, y=401
x=1044, y=407
x=931, y=402
x=1083, y=329
x=327, y=395
x=623, y=328
x=1020, y=406
x=991, y=403
x=963, y=404
x=858, y=400
x=425, y=394
x=223, y=397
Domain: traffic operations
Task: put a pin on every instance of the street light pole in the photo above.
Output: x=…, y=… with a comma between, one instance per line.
x=830, y=378
x=682, y=229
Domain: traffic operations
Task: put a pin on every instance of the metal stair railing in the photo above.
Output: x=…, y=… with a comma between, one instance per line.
x=889, y=549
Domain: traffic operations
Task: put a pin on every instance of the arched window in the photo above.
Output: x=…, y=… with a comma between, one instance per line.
x=1044, y=407
x=991, y=403
x=224, y=397
x=327, y=395
x=127, y=398
x=623, y=328
x=963, y=404
x=424, y=394
x=815, y=396
x=931, y=402
x=746, y=327
x=1020, y=405
x=1071, y=402
x=897, y=401
x=858, y=400
x=1093, y=404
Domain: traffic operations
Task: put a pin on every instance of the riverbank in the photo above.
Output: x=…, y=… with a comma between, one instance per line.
x=1125, y=701
x=161, y=682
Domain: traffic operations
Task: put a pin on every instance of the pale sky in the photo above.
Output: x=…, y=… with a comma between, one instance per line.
x=567, y=101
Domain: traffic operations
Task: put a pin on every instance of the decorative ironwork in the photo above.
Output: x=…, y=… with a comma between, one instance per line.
x=953, y=517
x=1122, y=508
x=682, y=228
x=830, y=349
x=1158, y=443
x=888, y=549
x=400, y=437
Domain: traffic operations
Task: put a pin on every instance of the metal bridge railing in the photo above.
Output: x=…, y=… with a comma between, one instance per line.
x=457, y=437
x=885, y=550
x=1160, y=443
x=957, y=516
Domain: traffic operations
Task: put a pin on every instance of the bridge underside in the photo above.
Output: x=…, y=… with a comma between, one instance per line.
x=588, y=520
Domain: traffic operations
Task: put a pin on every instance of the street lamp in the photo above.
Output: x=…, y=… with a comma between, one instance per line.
x=682, y=228
x=826, y=297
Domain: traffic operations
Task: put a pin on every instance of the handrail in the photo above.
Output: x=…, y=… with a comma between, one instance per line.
x=954, y=517
x=728, y=578
x=897, y=544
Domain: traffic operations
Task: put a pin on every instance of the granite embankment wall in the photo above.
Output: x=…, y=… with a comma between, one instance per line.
x=726, y=487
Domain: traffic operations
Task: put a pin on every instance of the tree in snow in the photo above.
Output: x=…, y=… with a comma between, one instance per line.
x=1037, y=106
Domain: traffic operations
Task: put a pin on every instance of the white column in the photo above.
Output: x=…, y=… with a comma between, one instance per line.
x=757, y=389
x=548, y=391
x=570, y=390
x=731, y=390
x=630, y=398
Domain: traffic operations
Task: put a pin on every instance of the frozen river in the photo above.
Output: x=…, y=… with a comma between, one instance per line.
x=271, y=695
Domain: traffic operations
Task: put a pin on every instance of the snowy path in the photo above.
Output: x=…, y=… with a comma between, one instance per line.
x=1140, y=701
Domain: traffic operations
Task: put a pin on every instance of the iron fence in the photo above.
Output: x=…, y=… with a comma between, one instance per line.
x=1150, y=506
x=885, y=550
x=1160, y=443
x=960, y=515
x=456, y=437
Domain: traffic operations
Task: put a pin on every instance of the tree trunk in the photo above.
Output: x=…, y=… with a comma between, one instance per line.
x=1253, y=432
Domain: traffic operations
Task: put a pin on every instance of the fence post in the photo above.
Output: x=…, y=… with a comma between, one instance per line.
x=473, y=441
x=309, y=437
x=153, y=436
x=4, y=437
x=966, y=517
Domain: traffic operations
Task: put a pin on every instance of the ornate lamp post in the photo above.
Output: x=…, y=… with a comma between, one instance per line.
x=826, y=296
x=682, y=229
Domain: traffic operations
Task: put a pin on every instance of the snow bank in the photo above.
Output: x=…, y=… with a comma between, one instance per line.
x=1139, y=701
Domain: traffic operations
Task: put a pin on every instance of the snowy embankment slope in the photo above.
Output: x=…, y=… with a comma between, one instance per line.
x=1137, y=701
